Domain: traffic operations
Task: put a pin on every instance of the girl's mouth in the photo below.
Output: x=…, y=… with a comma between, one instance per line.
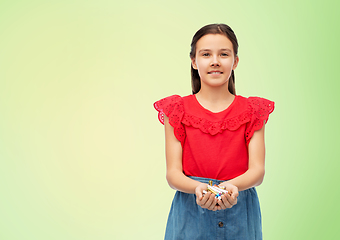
x=215, y=72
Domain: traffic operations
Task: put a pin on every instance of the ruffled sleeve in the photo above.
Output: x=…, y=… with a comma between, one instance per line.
x=260, y=109
x=173, y=108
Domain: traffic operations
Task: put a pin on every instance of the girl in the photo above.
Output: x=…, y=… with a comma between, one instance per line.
x=214, y=135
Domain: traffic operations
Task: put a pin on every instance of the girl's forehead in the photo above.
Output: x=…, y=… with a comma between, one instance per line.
x=214, y=41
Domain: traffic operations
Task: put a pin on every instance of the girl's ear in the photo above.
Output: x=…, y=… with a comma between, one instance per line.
x=235, y=62
x=193, y=63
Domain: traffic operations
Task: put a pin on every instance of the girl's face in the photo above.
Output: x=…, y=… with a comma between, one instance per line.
x=214, y=60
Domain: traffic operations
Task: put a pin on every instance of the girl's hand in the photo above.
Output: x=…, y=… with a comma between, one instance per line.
x=230, y=199
x=207, y=201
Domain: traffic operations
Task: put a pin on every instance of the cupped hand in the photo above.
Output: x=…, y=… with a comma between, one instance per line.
x=207, y=201
x=230, y=199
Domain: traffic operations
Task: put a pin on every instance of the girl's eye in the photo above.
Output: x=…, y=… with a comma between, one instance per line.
x=224, y=54
x=206, y=54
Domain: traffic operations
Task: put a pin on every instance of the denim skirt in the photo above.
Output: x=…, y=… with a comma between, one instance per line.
x=188, y=221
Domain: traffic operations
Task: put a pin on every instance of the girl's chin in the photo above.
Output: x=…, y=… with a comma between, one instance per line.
x=214, y=84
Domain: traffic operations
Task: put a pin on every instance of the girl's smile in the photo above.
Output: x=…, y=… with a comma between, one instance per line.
x=215, y=72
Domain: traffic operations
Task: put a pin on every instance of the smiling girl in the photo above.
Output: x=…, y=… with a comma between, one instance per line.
x=218, y=136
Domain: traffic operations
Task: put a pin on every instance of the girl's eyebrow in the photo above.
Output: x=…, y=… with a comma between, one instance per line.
x=204, y=50
x=226, y=49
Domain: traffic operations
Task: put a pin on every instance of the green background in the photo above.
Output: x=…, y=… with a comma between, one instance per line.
x=81, y=148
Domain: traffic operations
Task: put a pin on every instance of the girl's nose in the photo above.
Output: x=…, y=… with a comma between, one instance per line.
x=214, y=62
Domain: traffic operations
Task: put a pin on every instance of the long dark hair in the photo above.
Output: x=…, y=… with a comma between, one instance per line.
x=212, y=29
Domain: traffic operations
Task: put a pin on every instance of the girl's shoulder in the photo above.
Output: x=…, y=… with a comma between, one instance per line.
x=258, y=106
x=256, y=102
x=258, y=110
x=168, y=104
x=173, y=108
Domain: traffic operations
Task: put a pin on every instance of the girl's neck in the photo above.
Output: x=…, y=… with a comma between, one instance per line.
x=215, y=94
x=215, y=100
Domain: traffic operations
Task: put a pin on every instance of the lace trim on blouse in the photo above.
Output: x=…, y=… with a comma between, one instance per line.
x=214, y=128
x=261, y=108
x=255, y=116
x=173, y=108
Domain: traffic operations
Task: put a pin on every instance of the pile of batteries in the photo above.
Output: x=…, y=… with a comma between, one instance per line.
x=217, y=190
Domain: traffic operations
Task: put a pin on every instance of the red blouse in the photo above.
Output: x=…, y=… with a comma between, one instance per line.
x=215, y=145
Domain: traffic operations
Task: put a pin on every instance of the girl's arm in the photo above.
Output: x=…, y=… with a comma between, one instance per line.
x=178, y=181
x=174, y=170
x=254, y=175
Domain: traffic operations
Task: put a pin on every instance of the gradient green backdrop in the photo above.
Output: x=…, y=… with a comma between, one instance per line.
x=81, y=148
